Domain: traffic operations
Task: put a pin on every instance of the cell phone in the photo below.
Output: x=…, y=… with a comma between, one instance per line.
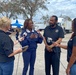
x=24, y=48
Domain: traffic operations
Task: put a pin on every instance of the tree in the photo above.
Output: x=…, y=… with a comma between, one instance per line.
x=30, y=7
x=66, y=17
x=46, y=18
x=6, y=9
x=27, y=8
x=10, y=8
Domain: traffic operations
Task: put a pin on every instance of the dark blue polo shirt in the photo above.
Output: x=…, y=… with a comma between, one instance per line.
x=71, y=43
x=6, y=47
x=53, y=34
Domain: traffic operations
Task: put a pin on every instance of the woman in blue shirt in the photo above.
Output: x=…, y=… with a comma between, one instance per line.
x=31, y=38
x=71, y=51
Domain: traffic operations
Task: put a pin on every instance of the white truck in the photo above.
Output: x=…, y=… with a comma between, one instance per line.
x=65, y=24
x=68, y=26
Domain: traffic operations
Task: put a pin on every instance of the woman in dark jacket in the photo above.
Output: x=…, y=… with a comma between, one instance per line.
x=71, y=51
x=31, y=38
x=6, y=48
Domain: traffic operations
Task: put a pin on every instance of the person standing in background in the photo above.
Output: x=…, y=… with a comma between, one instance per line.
x=17, y=33
x=53, y=34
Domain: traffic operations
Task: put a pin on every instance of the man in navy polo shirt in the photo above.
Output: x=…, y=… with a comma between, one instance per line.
x=53, y=34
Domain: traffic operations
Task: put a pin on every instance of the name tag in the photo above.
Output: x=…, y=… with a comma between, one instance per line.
x=49, y=39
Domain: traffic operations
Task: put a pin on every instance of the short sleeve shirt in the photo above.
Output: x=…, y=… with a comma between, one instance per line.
x=71, y=43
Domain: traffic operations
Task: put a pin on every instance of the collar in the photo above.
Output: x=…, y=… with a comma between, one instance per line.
x=29, y=31
x=2, y=31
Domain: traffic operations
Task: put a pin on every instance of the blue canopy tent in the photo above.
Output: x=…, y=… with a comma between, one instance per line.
x=17, y=24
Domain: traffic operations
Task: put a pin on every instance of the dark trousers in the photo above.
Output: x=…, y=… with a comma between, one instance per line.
x=17, y=34
x=29, y=59
x=52, y=59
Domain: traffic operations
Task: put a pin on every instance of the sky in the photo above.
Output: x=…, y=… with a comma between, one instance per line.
x=59, y=7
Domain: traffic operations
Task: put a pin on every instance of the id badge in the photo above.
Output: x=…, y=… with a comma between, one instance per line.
x=49, y=39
